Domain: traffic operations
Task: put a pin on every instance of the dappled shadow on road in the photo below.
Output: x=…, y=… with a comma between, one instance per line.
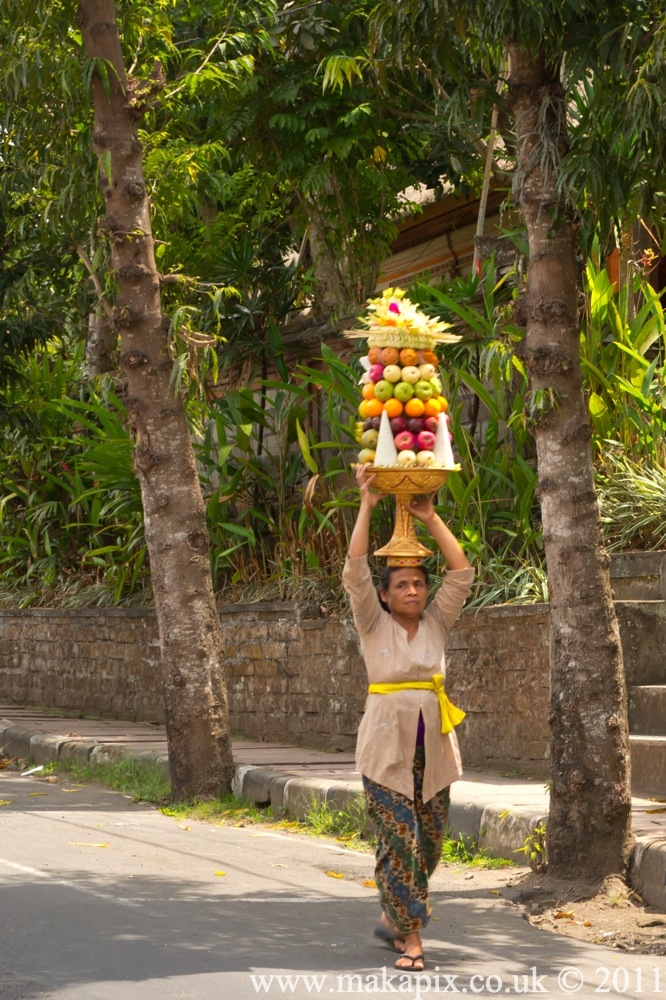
x=83, y=930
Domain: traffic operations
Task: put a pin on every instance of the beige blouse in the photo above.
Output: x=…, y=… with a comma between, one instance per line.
x=387, y=734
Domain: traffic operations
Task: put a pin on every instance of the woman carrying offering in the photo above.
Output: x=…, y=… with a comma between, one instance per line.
x=407, y=752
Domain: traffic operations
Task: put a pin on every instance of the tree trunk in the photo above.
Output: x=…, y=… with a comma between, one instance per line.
x=589, y=830
x=194, y=685
x=101, y=344
x=330, y=298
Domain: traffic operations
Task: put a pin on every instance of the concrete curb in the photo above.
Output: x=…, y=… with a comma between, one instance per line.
x=648, y=870
x=500, y=829
x=46, y=748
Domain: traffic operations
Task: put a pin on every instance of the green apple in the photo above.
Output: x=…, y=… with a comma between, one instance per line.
x=383, y=390
x=403, y=391
x=422, y=390
x=369, y=439
x=436, y=384
x=411, y=374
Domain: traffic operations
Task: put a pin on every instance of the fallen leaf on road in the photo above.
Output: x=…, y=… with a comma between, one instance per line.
x=564, y=914
x=72, y=789
x=494, y=892
x=6, y=802
x=33, y=794
x=370, y=882
x=277, y=865
x=335, y=874
x=588, y=923
x=651, y=811
x=81, y=843
x=220, y=873
x=183, y=826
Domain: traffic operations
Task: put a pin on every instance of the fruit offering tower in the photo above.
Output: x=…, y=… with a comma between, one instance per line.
x=403, y=414
x=403, y=427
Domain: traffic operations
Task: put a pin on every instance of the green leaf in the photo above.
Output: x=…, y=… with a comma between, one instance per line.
x=305, y=448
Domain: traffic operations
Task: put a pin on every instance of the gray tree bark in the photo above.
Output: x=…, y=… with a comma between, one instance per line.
x=589, y=823
x=194, y=685
x=101, y=343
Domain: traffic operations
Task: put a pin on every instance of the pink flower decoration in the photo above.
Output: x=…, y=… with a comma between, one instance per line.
x=394, y=307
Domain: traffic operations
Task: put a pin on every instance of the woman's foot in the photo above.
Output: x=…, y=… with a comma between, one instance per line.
x=412, y=959
x=392, y=934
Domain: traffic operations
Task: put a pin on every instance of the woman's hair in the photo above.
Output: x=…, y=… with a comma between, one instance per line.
x=386, y=579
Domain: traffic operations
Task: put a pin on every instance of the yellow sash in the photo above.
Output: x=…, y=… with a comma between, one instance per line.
x=451, y=715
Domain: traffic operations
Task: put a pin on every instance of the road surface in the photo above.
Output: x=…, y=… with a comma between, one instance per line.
x=104, y=899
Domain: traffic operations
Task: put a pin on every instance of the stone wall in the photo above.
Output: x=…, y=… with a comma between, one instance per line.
x=96, y=661
x=498, y=672
x=297, y=678
x=291, y=678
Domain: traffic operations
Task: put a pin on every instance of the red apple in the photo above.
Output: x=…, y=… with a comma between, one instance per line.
x=431, y=424
x=405, y=441
x=398, y=424
x=376, y=373
x=415, y=425
x=426, y=441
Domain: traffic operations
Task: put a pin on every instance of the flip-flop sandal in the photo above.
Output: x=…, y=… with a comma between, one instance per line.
x=412, y=959
x=384, y=933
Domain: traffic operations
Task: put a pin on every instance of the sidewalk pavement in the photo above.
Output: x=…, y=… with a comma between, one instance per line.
x=497, y=812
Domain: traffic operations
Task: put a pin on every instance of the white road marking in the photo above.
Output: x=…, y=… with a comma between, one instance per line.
x=138, y=902
x=86, y=890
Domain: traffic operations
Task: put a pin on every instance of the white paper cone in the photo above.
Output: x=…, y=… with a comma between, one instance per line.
x=386, y=452
x=443, y=451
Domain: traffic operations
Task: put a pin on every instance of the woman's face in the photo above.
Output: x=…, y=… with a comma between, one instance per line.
x=407, y=593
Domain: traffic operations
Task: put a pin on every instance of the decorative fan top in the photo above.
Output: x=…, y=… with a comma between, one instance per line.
x=393, y=320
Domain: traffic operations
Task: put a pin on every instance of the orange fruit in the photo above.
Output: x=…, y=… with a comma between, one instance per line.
x=433, y=407
x=373, y=407
x=429, y=358
x=408, y=356
x=368, y=390
x=373, y=355
x=393, y=407
x=363, y=410
x=443, y=402
x=414, y=407
x=389, y=356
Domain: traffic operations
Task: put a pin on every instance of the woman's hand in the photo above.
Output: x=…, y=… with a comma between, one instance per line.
x=423, y=509
x=369, y=497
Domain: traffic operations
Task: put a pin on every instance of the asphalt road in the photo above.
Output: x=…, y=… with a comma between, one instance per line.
x=103, y=899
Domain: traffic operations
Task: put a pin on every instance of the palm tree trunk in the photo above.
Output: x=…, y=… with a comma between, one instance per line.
x=178, y=546
x=589, y=822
